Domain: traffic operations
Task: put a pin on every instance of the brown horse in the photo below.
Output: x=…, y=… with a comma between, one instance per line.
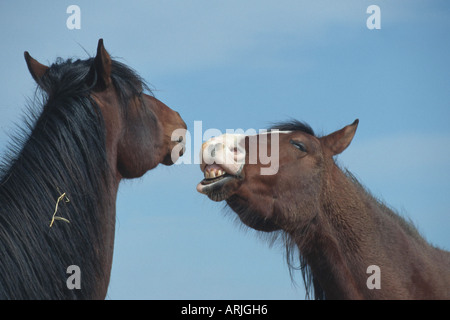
x=59, y=183
x=351, y=245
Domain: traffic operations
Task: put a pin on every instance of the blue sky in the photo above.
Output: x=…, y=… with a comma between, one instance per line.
x=245, y=64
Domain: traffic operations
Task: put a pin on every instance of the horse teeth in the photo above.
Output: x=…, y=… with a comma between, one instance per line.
x=214, y=173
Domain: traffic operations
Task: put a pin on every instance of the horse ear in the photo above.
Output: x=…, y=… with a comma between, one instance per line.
x=338, y=141
x=100, y=73
x=36, y=69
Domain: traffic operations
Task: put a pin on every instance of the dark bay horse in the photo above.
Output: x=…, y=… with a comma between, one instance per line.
x=351, y=246
x=59, y=183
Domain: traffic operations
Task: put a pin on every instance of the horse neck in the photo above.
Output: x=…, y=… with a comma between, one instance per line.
x=352, y=231
x=49, y=164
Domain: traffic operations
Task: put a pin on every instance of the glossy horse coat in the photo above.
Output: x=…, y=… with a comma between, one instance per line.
x=339, y=228
x=96, y=126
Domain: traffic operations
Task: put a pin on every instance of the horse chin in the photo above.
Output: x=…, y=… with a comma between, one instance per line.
x=167, y=160
x=250, y=216
x=220, y=188
x=226, y=188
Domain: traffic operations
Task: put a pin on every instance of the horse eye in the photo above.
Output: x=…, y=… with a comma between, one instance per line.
x=298, y=145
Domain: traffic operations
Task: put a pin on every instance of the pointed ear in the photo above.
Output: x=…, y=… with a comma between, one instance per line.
x=36, y=69
x=338, y=141
x=100, y=73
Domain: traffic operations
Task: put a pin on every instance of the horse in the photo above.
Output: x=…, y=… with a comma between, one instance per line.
x=95, y=127
x=349, y=244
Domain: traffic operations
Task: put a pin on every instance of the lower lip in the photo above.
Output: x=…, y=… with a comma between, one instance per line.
x=207, y=185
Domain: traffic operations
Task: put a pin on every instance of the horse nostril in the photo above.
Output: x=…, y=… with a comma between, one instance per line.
x=180, y=139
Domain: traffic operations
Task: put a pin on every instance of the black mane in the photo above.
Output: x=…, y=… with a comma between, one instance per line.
x=67, y=79
x=293, y=125
x=61, y=149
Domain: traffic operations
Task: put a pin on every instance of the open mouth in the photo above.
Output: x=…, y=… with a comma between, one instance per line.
x=213, y=174
x=215, y=182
